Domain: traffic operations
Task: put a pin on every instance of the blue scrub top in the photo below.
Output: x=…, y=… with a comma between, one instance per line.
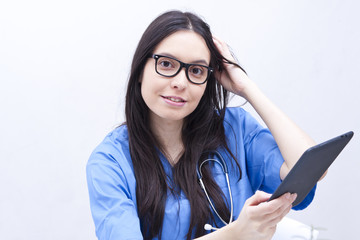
x=112, y=184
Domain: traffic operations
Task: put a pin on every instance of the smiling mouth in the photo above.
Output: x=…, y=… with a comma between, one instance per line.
x=174, y=99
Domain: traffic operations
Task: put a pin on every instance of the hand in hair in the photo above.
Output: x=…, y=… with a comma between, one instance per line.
x=292, y=140
x=232, y=78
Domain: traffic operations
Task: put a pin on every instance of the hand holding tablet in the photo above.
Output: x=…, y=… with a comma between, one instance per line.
x=311, y=166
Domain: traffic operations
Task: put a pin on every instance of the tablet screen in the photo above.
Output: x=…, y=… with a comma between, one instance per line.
x=310, y=167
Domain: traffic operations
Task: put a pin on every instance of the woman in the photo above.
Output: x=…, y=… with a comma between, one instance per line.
x=142, y=178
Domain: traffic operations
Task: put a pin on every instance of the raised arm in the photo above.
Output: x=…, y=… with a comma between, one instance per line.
x=292, y=141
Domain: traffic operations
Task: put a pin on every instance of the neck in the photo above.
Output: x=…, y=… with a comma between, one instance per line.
x=169, y=133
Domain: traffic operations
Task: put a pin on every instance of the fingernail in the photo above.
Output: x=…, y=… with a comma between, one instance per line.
x=288, y=196
x=293, y=196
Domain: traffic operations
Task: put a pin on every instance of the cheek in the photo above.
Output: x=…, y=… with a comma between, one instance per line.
x=200, y=92
x=146, y=72
x=197, y=95
x=145, y=81
x=146, y=89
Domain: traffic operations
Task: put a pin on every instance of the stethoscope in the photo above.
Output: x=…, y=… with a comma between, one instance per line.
x=223, y=165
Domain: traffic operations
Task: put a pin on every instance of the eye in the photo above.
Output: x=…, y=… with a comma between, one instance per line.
x=197, y=71
x=166, y=63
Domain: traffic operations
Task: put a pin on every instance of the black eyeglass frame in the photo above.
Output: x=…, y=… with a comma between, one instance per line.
x=182, y=65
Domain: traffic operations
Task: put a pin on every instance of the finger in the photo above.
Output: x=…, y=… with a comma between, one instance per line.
x=216, y=39
x=256, y=205
x=272, y=219
x=219, y=41
x=218, y=45
x=279, y=213
x=275, y=205
x=257, y=198
x=223, y=48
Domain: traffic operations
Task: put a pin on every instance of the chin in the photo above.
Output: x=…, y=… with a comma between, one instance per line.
x=173, y=115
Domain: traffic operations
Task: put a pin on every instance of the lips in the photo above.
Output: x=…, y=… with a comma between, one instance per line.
x=174, y=99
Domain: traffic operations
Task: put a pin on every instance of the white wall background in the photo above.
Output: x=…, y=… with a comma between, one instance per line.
x=63, y=73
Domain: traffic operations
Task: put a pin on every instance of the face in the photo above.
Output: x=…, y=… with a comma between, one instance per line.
x=174, y=98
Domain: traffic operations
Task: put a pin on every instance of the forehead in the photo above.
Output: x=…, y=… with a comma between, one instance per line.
x=185, y=45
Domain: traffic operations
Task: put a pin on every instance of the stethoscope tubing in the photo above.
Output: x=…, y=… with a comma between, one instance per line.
x=223, y=165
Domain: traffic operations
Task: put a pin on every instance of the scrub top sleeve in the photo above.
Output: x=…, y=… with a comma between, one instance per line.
x=113, y=209
x=261, y=153
x=264, y=159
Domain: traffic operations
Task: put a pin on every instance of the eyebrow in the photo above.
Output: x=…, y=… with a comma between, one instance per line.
x=200, y=61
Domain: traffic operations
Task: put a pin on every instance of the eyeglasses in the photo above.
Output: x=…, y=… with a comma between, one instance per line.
x=170, y=67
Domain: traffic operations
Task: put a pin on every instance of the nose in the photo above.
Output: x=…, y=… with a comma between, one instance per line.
x=180, y=81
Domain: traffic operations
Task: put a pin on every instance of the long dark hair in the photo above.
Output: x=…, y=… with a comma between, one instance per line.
x=202, y=131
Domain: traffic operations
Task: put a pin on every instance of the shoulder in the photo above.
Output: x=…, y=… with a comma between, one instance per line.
x=119, y=135
x=239, y=120
x=115, y=142
x=239, y=115
x=112, y=151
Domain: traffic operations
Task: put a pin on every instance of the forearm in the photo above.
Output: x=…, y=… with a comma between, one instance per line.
x=292, y=141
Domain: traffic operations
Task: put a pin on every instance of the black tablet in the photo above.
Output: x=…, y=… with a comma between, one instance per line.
x=310, y=167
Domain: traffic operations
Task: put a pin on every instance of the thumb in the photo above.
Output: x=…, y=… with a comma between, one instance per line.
x=258, y=198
